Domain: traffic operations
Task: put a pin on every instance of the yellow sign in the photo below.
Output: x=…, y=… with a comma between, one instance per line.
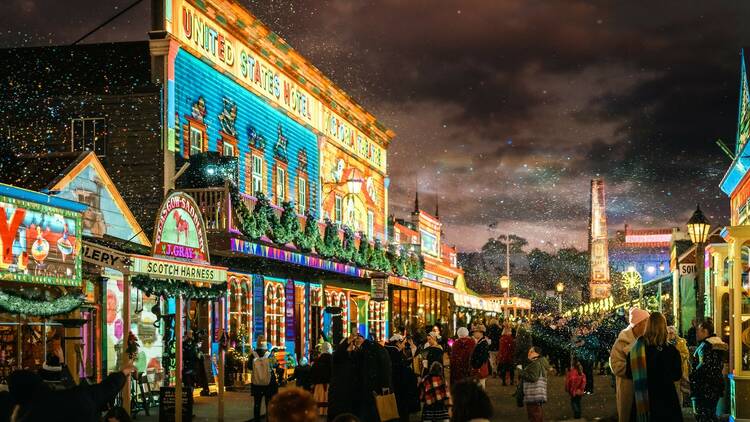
x=159, y=268
x=205, y=38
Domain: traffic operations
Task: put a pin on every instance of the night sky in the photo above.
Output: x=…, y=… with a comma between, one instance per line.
x=506, y=109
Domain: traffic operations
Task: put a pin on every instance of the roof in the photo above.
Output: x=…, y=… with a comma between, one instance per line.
x=38, y=173
x=40, y=198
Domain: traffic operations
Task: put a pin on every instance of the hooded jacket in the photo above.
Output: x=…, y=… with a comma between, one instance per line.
x=618, y=359
x=707, y=378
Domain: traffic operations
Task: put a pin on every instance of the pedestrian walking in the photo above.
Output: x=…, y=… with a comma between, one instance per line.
x=461, y=353
x=432, y=352
x=433, y=393
x=523, y=343
x=292, y=404
x=505, y=357
x=707, y=378
x=341, y=388
x=263, y=383
x=404, y=380
x=586, y=350
x=480, y=357
x=618, y=358
x=302, y=375
x=470, y=402
x=320, y=377
x=654, y=365
x=683, y=385
x=575, y=384
x=494, y=331
x=372, y=375
x=534, y=378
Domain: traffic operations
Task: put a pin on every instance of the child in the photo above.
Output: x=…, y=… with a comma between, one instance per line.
x=575, y=383
x=433, y=392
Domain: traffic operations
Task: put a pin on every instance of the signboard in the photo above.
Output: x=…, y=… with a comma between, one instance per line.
x=180, y=232
x=39, y=243
x=168, y=403
x=687, y=269
x=379, y=288
x=213, y=42
x=159, y=268
x=105, y=257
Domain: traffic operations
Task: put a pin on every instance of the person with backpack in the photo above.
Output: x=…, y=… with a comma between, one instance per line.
x=707, y=378
x=575, y=385
x=263, y=378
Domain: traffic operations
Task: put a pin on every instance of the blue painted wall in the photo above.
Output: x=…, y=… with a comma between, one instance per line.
x=194, y=78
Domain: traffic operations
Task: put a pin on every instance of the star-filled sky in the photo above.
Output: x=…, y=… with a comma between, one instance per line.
x=505, y=109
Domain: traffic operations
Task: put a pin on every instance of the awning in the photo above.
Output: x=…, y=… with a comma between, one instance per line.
x=403, y=282
x=439, y=286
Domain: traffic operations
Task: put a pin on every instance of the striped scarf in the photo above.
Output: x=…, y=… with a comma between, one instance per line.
x=640, y=379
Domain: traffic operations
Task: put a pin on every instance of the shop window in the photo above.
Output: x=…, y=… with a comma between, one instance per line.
x=338, y=209
x=370, y=224
x=376, y=319
x=89, y=134
x=240, y=309
x=301, y=195
x=257, y=174
x=275, y=311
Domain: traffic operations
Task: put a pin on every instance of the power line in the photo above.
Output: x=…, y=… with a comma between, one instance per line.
x=105, y=23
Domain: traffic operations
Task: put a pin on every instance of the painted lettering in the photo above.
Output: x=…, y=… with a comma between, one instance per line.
x=8, y=232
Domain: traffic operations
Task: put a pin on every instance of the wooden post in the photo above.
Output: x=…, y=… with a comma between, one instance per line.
x=178, y=357
x=124, y=358
x=19, y=342
x=220, y=358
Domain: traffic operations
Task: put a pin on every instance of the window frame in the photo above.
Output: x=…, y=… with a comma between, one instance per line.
x=277, y=198
x=82, y=140
x=302, y=195
x=338, y=209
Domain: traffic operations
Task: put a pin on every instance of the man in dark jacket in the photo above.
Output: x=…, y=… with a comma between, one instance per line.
x=493, y=333
x=372, y=374
x=341, y=390
x=480, y=357
x=707, y=377
x=402, y=375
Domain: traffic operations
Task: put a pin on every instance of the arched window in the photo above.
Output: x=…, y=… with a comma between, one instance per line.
x=275, y=314
x=240, y=310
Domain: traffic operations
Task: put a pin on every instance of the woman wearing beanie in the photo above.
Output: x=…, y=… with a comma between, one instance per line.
x=461, y=356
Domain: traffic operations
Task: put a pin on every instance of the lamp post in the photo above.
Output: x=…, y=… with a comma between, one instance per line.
x=559, y=287
x=698, y=228
x=505, y=285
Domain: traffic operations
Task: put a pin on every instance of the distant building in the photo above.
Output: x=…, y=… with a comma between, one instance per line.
x=599, y=283
x=643, y=250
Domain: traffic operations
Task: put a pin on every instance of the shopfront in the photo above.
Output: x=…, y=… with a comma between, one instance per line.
x=403, y=304
x=40, y=279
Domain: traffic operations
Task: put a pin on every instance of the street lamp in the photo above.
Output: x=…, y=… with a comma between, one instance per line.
x=698, y=229
x=505, y=285
x=559, y=287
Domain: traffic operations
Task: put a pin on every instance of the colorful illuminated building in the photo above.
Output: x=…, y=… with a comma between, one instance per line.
x=599, y=283
x=734, y=260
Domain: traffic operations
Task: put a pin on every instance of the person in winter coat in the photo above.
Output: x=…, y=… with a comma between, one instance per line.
x=320, y=377
x=461, y=356
x=494, y=331
x=302, y=375
x=654, y=366
x=341, y=389
x=34, y=401
x=505, y=357
x=372, y=374
x=433, y=352
x=534, y=378
x=470, y=402
x=707, y=378
x=683, y=385
x=575, y=384
x=433, y=393
x=618, y=358
x=586, y=350
x=480, y=357
x=523, y=343
x=403, y=377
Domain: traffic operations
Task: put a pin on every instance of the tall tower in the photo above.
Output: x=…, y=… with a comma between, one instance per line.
x=599, y=283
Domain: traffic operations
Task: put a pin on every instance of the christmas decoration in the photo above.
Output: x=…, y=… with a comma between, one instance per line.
x=309, y=240
x=349, y=250
x=43, y=308
x=331, y=247
x=288, y=228
x=173, y=288
x=132, y=346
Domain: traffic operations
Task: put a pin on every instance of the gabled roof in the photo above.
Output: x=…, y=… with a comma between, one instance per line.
x=53, y=173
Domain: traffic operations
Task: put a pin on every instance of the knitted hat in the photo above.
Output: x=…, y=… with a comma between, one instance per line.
x=463, y=332
x=637, y=315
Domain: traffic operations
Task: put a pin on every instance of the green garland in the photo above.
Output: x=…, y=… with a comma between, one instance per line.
x=173, y=288
x=262, y=221
x=41, y=308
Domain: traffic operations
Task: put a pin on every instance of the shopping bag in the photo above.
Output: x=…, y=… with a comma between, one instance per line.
x=387, y=407
x=320, y=394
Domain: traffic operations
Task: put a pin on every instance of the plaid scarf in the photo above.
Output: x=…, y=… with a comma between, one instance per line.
x=433, y=389
x=640, y=379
